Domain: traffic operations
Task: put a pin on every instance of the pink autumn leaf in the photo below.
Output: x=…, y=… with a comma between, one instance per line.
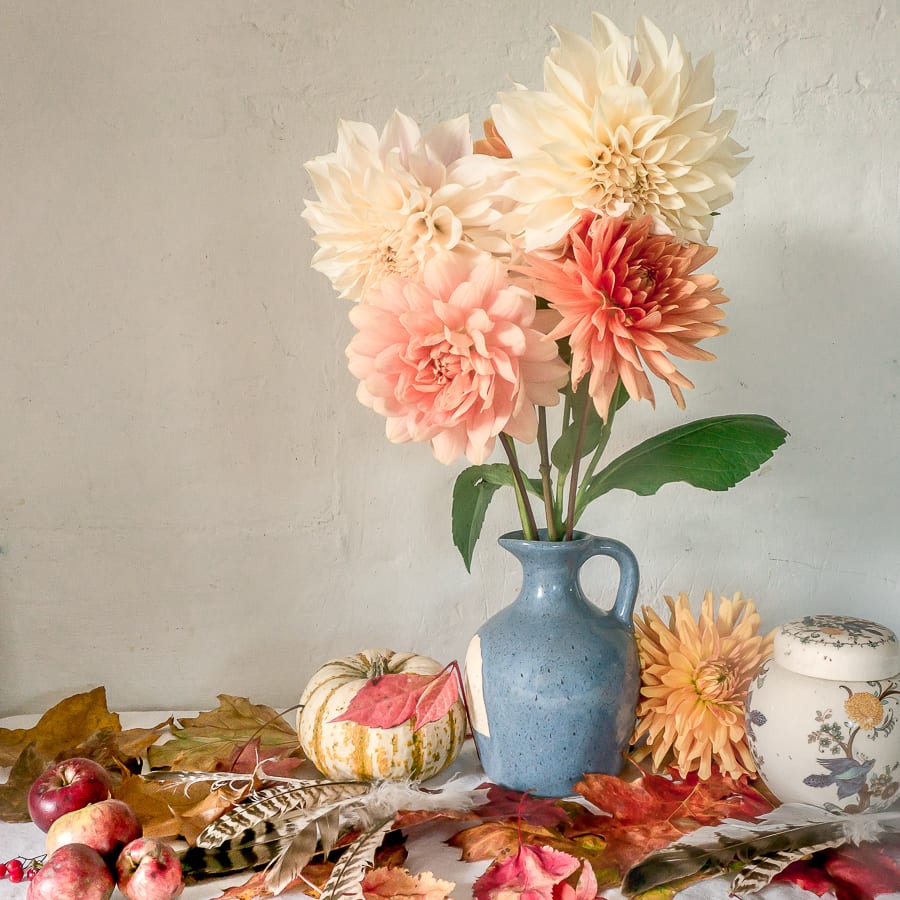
x=531, y=874
x=437, y=699
x=585, y=889
x=386, y=700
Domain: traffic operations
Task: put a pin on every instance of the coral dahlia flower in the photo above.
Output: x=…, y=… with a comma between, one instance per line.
x=694, y=680
x=628, y=301
x=387, y=205
x=611, y=135
x=455, y=358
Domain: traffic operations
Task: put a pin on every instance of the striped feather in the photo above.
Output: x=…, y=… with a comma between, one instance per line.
x=252, y=849
x=789, y=832
x=761, y=871
x=275, y=803
x=290, y=862
x=346, y=879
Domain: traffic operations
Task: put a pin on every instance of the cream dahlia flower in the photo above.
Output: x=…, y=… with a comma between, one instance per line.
x=694, y=681
x=455, y=358
x=387, y=205
x=614, y=135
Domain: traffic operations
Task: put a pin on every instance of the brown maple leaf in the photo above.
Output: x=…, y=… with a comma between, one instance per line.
x=208, y=742
x=394, y=883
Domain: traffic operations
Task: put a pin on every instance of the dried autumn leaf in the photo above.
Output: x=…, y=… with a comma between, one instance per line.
x=386, y=701
x=653, y=810
x=437, y=699
x=533, y=872
x=500, y=840
x=62, y=728
x=133, y=743
x=397, y=884
x=209, y=741
x=169, y=810
x=505, y=803
x=252, y=757
x=14, y=794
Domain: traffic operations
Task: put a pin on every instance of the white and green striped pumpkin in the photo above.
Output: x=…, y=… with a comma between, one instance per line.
x=363, y=753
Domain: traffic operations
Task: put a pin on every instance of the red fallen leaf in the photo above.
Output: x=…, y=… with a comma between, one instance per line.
x=531, y=873
x=247, y=758
x=808, y=875
x=864, y=872
x=437, y=699
x=504, y=803
x=386, y=700
x=389, y=700
x=653, y=810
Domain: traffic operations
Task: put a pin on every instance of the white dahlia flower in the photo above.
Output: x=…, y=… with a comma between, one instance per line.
x=615, y=135
x=387, y=205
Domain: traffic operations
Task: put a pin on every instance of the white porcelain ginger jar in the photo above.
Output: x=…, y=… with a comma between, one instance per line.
x=822, y=714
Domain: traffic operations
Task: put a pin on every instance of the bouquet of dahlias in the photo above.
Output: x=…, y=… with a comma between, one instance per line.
x=555, y=260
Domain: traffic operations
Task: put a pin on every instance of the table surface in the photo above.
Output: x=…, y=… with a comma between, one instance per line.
x=426, y=845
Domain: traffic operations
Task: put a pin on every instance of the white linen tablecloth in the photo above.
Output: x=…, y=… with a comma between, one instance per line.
x=426, y=845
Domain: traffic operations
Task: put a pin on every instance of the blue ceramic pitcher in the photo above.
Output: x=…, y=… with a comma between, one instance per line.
x=553, y=680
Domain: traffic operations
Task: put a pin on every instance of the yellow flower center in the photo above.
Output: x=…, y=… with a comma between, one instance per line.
x=715, y=680
x=864, y=709
x=619, y=176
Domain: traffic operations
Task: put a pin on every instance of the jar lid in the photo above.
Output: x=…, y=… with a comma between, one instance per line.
x=840, y=648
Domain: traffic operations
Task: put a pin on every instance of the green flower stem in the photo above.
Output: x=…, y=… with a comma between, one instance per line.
x=582, y=416
x=561, y=481
x=529, y=528
x=549, y=511
x=614, y=404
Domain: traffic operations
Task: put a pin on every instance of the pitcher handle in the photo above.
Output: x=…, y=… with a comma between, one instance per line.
x=629, y=577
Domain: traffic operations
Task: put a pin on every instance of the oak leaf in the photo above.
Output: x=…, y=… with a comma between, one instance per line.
x=61, y=729
x=209, y=741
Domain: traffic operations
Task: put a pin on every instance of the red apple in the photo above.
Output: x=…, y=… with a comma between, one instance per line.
x=65, y=787
x=73, y=872
x=106, y=826
x=148, y=869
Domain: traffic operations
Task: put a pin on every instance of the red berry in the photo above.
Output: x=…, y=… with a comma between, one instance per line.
x=29, y=875
x=2, y=871
x=16, y=875
x=14, y=865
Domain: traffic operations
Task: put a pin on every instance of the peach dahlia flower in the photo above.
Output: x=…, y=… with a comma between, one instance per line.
x=694, y=680
x=628, y=300
x=454, y=358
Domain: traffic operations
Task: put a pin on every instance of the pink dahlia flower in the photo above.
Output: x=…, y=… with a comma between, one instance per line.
x=454, y=358
x=628, y=301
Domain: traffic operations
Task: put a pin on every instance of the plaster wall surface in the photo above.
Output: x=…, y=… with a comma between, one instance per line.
x=191, y=499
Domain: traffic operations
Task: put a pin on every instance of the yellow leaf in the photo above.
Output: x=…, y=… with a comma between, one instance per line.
x=14, y=794
x=71, y=722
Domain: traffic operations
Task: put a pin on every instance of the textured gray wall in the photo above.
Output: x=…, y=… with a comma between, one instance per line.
x=192, y=501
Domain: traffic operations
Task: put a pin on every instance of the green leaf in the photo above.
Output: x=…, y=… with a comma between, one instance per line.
x=714, y=454
x=472, y=495
x=562, y=456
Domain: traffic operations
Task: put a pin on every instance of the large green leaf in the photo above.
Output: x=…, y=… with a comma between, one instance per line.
x=714, y=454
x=472, y=494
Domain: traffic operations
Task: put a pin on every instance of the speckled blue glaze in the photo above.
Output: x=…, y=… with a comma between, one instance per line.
x=560, y=677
